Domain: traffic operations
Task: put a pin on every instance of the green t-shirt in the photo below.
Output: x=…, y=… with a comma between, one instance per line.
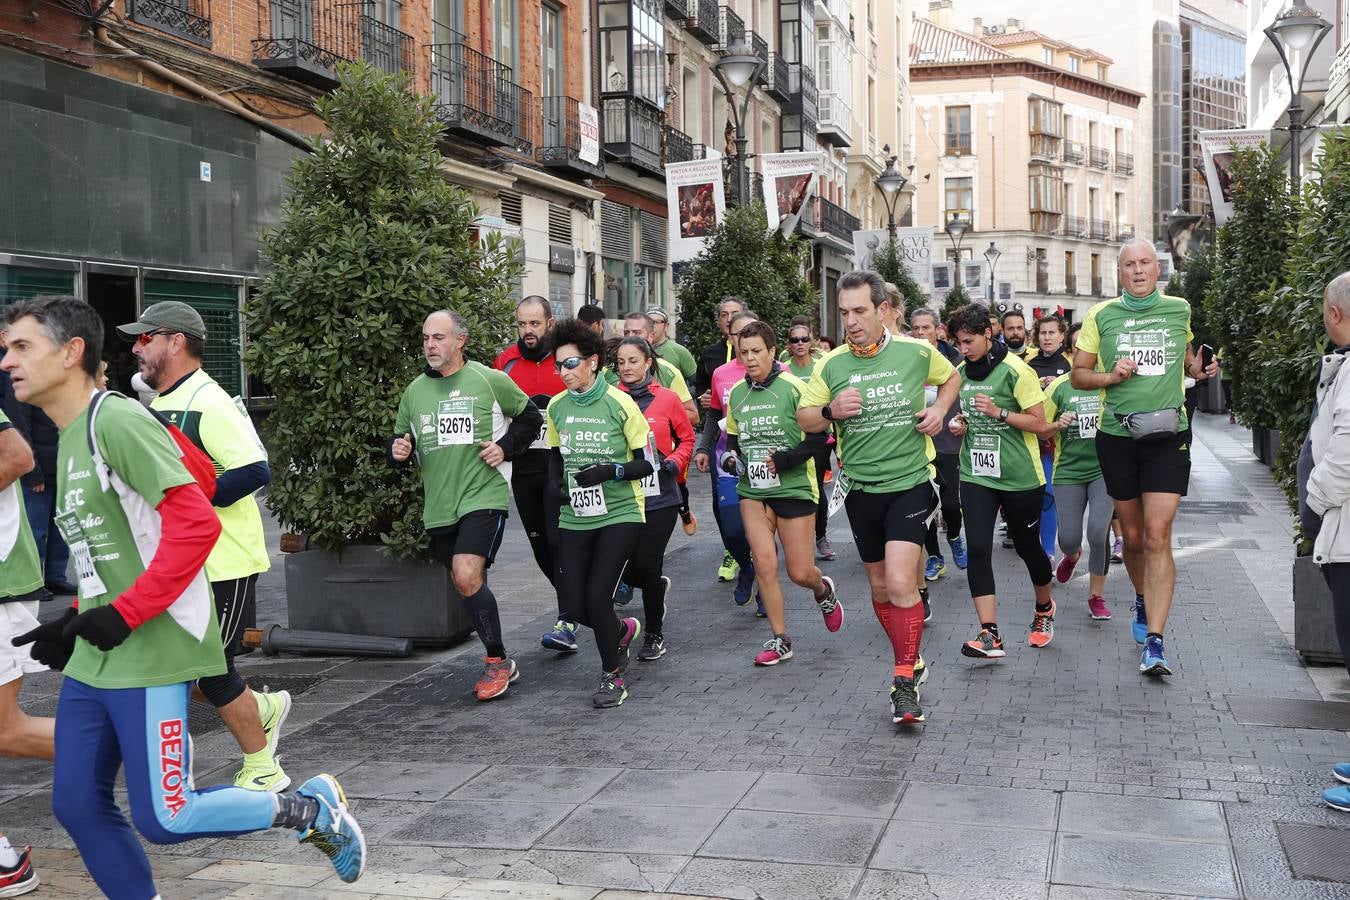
x=666, y=375
x=1157, y=339
x=803, y=372
x=20, y=567
x=607, y=430
x=1075, y=446
x=679, y=356
x=449, y=418
x=210, y=418
x=111, y=524
x=993, y=453
x=880, y=447
x=765, y=420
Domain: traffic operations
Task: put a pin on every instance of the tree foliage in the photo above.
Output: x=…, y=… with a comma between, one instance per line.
x=956, y=298
x=765, y=270
x=372, y=239
x=889, y=262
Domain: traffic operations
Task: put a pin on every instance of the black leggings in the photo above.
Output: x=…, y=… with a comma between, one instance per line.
x=949, y=491
x=1022, y=510
x=645, y=567
x=591, y=564
x=822, y=460
x=539, y=514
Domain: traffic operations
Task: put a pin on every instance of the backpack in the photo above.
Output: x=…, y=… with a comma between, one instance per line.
x=195, y=460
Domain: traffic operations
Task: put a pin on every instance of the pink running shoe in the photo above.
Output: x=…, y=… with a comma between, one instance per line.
x=1097, y=608
x=775, y=651
x=830, y=607
x=1066, y=566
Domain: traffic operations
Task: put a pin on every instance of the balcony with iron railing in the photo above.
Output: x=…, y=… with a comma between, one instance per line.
x=1042, y=278
x=702, y=19
x=1124, y=232
x=306, y=39
x=731, y=27
x=563, y=142
x=1097, y=285
x=679, y=146
x=760, y=47
x=1100, y=230
x=1043, y=222
x=677, y=9
x=754, y=188
x=776, y=77
x=475, y=97
x=797, y=125
x=832, y=218
x=1124, y=163
x=188, y=19
x=1074, y=226
x=1099, y=158
x=632, y=132
x=1071, y=152
x=1070, y=284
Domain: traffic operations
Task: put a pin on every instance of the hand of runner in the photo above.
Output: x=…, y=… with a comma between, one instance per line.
x=957, y=426
x=1067, y=419
x=594, y=474
x=1199, y=373
x=701, y=461
x=492, y=454
x=847, y=404
x=985, y=405
x=1123, y=369
x=705, y=399
x=928, y=422
x=402, y=448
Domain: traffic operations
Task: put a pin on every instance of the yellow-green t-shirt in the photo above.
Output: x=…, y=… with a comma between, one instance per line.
x=606, y=430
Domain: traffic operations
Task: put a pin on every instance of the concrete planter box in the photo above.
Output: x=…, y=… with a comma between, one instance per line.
x=1314, y=617
x=363, y=591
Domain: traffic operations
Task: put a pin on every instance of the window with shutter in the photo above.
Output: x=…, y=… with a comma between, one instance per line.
x=511, y=207
x=616, y=230
x=559, y=225
x=653, y=231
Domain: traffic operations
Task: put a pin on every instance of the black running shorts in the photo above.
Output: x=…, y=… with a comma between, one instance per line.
x=478, y=533
x=878, y=519
x=1132, y=468
x=787, y=507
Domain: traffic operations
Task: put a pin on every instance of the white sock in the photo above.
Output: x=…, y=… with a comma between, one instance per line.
x=9, y=857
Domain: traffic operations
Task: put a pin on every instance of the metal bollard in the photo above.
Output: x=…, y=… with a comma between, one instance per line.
x=275, y=640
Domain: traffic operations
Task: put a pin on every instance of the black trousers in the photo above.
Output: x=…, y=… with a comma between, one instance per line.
x=1022, y=510
x=948, y=467
x=590, y=566
x=1338, y=579
x=822, y=460
x=538, y=510
x=647, y=564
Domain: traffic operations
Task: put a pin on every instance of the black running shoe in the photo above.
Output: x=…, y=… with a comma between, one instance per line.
x=905, y=709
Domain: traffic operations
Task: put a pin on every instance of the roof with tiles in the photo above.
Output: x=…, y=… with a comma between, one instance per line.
x=934, y=44
x=1018, y=38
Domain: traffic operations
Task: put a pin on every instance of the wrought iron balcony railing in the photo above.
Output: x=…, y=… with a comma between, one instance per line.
x=1100, y=230
x=702, y=20
x=383, y=46
x=1072, y=152
x=562, y=139
x=306, y=39
x=1100, y=158
x=834, y=219
x=189, y=19
x=1124, y=163
x=1124, y=232
x=1097, y=286
x=1074, y=226
x=1070, y=284
x=731, y=26
x=632, y=132
x=760, y=47
x=776, y=77
x=679, y=146
x=476, y=98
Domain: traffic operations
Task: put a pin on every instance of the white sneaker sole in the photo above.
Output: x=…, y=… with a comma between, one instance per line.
x=275, y=737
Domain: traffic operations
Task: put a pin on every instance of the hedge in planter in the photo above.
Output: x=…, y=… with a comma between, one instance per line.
x=372, y=239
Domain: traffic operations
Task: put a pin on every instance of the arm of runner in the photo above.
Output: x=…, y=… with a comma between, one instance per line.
x=16, y=457
x=730, y=461
x=787, y=460
x=815, y=395
x=1054, y=423
x=522, y=431
x=1086, y=377
x=930, y=420
x=684, y=442
x=636, y=469
x=399, y=449
x=712, y=430
x=233, y=485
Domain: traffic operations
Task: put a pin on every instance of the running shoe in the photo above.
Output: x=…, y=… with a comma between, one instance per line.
x=905, y=709
x=1118, y=550
x=934, y=568
x=498, y=674
x=824, y=549
x=653, y=648
x=727, y=571
x=689, y=522
x=1042, y=627
x=562, y=638
x=830, y=607
x=273, y=708
x=623, y=594
x=1337, y=797
x=21, y=878
x=334, y=832
x=760, y=611
x=1151, y=659
x=775, y=650
x=1342, y=772
x=271, y=778
x=920, y=673
x=1064, y=571
x=611, y=692
x=745, y=587
x=927, y=608
x=986, y=645
x=1097, y=607
x=1232, y=419
x=960, y=555
x=1139, y=627
x=628, y=630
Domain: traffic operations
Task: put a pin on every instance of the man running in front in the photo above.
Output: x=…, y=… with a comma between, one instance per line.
x=872, y=391
x=142, y=632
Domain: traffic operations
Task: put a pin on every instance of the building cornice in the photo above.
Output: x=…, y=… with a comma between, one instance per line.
x=553, y=182
x=1024, y=68
x=474, y=176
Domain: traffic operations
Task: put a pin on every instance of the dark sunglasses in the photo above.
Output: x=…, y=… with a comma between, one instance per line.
x=149, y=336
x=570, y=363
x=805, y=340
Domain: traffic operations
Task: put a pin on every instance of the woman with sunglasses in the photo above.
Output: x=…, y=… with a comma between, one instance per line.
x=802, y=355
x=599, y=438
x=773, y=460
x=669, y=448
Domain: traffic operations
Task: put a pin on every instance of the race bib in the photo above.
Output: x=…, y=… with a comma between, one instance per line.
x=1087, y=424
x=541, y=442
x=454, y=422
x=90, y=584
x=984, y=456
x=588, y=502
x=651, y=485
x=760, y=476
x=1148, y=349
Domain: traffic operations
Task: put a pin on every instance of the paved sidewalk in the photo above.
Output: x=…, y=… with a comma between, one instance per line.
x=1058, y=773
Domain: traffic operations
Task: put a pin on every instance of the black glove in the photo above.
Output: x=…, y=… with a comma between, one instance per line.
x=103, y=627
x=595, y=474
x=51, y=647
x=669, y=466
x=781, y=461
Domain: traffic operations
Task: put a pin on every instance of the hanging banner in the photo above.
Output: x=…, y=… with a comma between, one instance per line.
x=1219, y=148
x=588, y=123
x=695, y=203
x=916, y=245
x=789, y=184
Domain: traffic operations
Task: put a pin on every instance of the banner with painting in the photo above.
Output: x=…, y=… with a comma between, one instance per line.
x=790, y=181
x=916, y=245
x=1219, y=149
x=695, y=203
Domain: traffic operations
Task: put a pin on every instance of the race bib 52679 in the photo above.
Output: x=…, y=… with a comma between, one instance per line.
x=454, y=421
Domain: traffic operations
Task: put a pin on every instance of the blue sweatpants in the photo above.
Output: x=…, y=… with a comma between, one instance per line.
x=733, y=529
x=1049, y=515
x=144, y=730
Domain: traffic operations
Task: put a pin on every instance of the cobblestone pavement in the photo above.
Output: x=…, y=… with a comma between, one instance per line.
x=1058, y=773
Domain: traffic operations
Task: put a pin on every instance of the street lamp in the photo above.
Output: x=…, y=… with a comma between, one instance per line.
x=891, y=183
x=991, y=256
x=1296, y=34
x=956, y=229
x=737, y=67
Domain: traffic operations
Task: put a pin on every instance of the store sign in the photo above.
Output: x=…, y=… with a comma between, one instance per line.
x=561, y=259
x=588, y=122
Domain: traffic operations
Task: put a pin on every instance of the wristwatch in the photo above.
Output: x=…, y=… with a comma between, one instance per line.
x=826, y=414
x=618, y=472
x=1003, y=414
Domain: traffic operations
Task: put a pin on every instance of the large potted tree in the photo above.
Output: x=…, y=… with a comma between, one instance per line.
x=371, y=239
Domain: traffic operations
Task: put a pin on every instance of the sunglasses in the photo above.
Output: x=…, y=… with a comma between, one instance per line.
x=149, y=336
x=570, y=363
x=799, y=340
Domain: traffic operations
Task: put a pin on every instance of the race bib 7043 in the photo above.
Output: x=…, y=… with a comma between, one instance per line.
x=984, y=456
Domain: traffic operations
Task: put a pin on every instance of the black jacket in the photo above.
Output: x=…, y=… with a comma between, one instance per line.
x=713, y=355
x=37, y=429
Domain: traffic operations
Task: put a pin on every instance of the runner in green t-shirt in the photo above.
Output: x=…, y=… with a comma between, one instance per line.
x=1136, y=350
x=670, y=350
x=777, y=488
x=1002, y=411
x=600, y=438
x=801, y=357
x=872, y=391
x=139, y=529
x=668, y=372
x=1072, y=416
x=463, y=422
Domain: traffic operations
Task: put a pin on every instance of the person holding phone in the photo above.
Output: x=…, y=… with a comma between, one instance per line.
x=1199, y=383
